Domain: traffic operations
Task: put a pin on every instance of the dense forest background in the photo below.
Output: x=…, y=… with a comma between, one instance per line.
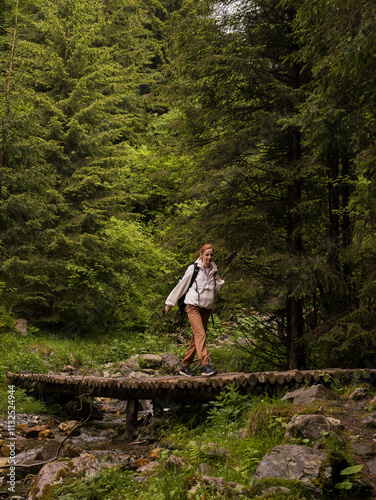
x=134, y=131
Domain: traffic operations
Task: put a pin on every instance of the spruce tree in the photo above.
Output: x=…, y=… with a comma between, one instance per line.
x=76, y=111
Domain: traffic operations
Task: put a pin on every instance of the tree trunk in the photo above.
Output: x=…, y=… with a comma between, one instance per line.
x=294, y=306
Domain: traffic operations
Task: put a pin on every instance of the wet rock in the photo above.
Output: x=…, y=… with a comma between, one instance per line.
x=295, y=462
x=359, y=393
x=31, y=432
x=50, y=448
x=5, y=448
x=46, y=434
x=69, y=427
x=21, y=326
x=310, y=427
x=54, y=472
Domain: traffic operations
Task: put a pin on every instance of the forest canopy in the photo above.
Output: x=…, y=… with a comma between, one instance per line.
x=132, y=132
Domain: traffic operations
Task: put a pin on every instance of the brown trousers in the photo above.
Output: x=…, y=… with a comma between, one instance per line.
x=198, y=318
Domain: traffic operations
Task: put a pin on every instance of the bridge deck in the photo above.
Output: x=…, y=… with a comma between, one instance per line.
x=176, y=388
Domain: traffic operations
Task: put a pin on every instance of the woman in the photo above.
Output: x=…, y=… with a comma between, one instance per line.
x=200, y=300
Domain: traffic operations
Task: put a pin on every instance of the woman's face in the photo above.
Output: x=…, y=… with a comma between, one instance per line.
x=207, y=257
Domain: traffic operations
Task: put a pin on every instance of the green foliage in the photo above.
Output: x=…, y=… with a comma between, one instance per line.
x=228, y=408
x=24, y=402
x=350, y=473
x=107, y=486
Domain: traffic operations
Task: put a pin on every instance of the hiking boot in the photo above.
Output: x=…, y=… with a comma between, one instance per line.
x=184, y=370
x=207, y=371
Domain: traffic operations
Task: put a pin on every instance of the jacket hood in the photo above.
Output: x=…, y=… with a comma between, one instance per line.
x=212, y=269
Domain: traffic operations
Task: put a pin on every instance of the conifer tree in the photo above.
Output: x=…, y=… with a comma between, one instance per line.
x=238, y=86
x=77, y=109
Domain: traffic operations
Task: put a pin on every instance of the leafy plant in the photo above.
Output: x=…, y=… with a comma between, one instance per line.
x=350, y=473
x=229, y=407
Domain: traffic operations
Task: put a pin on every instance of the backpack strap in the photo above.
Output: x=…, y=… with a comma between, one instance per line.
x=181, y=303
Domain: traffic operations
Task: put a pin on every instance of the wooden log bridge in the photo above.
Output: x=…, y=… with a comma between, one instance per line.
x=167, y=389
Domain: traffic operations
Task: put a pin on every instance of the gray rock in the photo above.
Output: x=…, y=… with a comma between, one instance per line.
x=274, y=490
x=170, y=361
x=372, y=466
x=369, y=420
x=21, y=326
x=310, y=427
x=219, y=486
x=49, y=450
x=175, y=462
x=314, y=393
x=150, y=360
x=359, y=393
x=53, y=473
x=204, y=468
x=131, y=365
x=295, y=462
x=291, y=395
x=362, y=449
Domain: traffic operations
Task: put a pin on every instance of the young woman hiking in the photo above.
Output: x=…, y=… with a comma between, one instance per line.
x=200, y=300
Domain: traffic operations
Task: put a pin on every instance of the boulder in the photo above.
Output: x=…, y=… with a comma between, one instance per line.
x=314, y=393
x=49, y=451
x=131, y=365
x=171, y=362
x=32, y=432
x=54, y=472
x=296, y=462
x=150, y=360
x=310, y=427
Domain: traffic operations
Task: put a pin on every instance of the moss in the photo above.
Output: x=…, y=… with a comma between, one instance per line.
x=298, y=490
x=337, y=461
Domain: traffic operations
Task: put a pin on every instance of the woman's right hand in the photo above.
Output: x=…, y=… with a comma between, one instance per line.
x=168, y=309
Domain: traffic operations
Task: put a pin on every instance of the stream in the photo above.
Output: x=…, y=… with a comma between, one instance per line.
x=101, y=438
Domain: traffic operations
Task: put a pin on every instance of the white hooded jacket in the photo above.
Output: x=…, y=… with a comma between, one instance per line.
x=203, y=290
